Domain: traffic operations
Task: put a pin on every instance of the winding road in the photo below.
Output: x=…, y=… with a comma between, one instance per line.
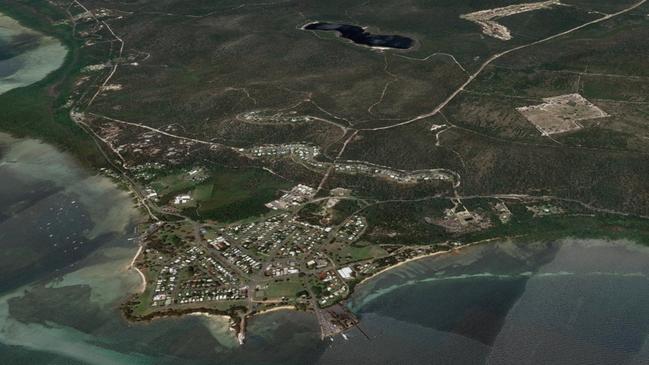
x=491, y=59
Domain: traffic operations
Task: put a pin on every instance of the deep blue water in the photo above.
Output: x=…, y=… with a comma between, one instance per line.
x=359, y=35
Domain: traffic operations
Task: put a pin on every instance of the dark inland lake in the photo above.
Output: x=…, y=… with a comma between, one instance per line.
x=359, y=35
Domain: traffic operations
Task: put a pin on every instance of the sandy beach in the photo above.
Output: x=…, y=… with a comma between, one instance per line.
x=432, y=254
x=210, y=315
x=132, y=266
x=276, y=309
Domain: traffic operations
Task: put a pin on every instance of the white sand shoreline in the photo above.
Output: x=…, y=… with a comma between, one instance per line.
x=132, y=266
x=432, y=254
x=276, y=309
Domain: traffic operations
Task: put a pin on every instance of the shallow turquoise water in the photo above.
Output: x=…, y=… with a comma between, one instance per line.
x=26, y=56
x=578, y=302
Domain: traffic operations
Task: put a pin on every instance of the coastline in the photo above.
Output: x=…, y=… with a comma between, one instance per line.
x=432, y=254
x=170, y=313
x=276, y=309
x=207, y=311
x=236, y=319
x=288, y=335
x=46, y=56
x=38, y=110
x=401, y=263
x=132, y=266
x=210, y=315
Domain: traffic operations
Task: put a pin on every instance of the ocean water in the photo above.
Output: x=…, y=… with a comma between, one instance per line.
x=565, y=302
x=66, y=238
x=26, y=56
x=66, y=241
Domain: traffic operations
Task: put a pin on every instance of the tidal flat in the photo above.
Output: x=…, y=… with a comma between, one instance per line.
x=26, y=56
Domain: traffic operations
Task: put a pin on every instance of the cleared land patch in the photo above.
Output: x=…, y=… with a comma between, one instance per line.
x=487, y=19
x=561, y=114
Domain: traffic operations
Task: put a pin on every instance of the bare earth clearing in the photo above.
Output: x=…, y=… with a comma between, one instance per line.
x=561, y=114
x=487, y=19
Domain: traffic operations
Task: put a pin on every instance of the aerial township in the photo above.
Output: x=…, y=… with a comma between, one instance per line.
x=242, y=219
